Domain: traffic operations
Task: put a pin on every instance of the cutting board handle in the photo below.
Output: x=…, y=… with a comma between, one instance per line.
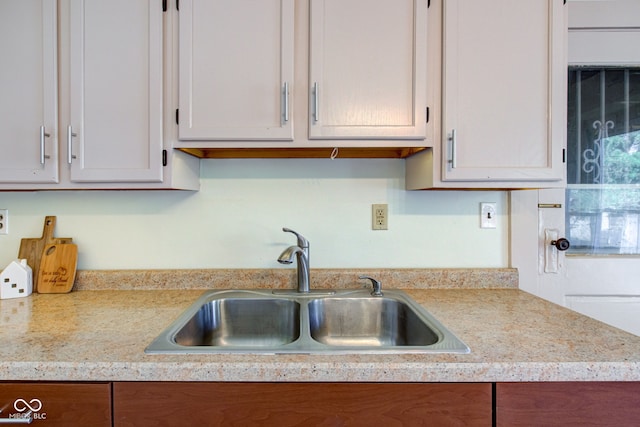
x=49, y=228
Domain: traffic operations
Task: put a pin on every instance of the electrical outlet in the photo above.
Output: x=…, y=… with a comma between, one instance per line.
x=488, y=215
x=379, y=217
x=4, y=221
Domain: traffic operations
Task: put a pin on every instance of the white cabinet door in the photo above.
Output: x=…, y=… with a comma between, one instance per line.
x=115, y=128
x=368, y=69
x=236, y=69
x=28, y=99
x=504, y=90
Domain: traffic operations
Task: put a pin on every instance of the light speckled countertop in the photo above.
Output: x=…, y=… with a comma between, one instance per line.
x=100, y=335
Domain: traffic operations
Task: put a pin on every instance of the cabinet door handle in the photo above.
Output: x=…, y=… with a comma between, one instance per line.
x=43, y=134
x=452, y=159
x=26, y=418
x=286, y=102
x=316, y=102
x=70, y=135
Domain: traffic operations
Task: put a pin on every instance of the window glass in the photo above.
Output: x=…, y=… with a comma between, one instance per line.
x=603, y=161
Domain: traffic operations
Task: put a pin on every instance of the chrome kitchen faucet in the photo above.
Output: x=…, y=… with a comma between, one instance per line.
x=301, y=251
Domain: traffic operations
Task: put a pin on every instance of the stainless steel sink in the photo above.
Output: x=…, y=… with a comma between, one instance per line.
x=367, y=322
x=347, y=321
x=242, y=322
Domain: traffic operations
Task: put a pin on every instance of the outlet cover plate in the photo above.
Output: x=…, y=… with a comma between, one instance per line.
x=379, y=216
x=4, y=221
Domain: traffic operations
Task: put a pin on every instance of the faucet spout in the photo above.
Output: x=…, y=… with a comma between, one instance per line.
x=301, y=254
x=287, y=256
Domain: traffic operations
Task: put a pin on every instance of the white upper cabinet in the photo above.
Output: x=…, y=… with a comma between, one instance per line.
x=236, y=69
x=499, y=88
x=601, y=32
x=368, y=68
x=85, y=94
x=504, y=76
x=114, y=132
x=302, y=74
x=28, y=86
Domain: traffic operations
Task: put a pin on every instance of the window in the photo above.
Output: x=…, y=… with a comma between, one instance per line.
x=603, y=161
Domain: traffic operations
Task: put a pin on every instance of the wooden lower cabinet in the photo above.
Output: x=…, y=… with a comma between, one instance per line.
x=56, y=404
x=292, y=404
x=322, y=404
x=568, y=404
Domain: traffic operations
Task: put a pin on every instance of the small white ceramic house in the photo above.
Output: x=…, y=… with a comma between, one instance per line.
x=16, y=280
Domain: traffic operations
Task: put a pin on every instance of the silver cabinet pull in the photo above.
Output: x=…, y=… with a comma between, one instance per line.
x=43, y=134
x=70, y=135
x=286, y=102
x=26, y=418
x=316, y=102
x=452, y=139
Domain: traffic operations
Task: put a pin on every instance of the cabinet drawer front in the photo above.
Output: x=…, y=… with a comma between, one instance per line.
x=58, y=404
x=279, y=404
x=563, y=404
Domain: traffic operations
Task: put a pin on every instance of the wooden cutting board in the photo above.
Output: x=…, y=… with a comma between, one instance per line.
x=31, y=249
x=57, y=271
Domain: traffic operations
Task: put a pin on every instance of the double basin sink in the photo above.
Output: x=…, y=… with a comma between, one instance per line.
x=272, y=322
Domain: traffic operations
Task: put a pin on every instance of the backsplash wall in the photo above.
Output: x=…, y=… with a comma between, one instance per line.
x=235, y=220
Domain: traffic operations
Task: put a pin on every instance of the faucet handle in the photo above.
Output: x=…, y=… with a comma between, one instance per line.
x=377, y=286
x=302, y=241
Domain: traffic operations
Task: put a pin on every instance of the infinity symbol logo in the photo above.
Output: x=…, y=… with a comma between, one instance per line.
x=21, y=405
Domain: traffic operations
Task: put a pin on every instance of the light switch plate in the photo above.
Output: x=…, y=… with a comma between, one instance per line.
x=488, y=215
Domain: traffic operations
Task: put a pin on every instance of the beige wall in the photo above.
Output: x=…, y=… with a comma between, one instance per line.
x=235, y=220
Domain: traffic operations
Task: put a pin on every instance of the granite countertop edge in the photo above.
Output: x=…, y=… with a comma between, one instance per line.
x=257, y=371
x=513, y=335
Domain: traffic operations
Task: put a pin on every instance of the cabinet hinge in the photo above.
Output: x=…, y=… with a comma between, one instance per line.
x=564, y=155
x=177, y=116
x=164, y=157
x=164, y=5
x=427, y=114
